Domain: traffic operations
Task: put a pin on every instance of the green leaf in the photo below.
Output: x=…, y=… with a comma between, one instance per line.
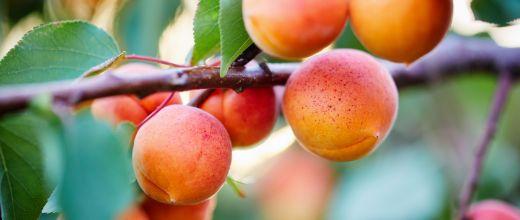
x=57, y=51
x=233, y=35
x=23, y=190
x=141, y=22
x=95, y=183
x=206, y=30
x=500, y=12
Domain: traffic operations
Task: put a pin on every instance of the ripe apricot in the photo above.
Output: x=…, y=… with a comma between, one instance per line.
x=491, y=210
x=248, y=116
x=294, y=29
x=181, y=156
x=151, y=102
x=135, y=212
x=340, y=104
x=400, y=30
x=286, y=194
x=116, y=109
x=160, y=211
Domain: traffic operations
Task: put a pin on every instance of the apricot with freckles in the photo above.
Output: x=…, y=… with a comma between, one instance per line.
x=294, y=29
x=400, y=30
x=341, y=104
x=181, y=155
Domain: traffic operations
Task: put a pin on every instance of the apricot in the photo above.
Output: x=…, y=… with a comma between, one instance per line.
x=286, y=194
x=116, y=109
x=493, y=210
x=400, y=30
x=135, y=212
x=341, y=104
x=248, y=116
x=181, y=156
x=294, y=29
x=151, y=102
x=160, y=211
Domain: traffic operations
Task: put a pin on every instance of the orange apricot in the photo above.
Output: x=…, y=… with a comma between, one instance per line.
x=160, y=211
x=493, y=210
x=341, y=104
x=400, y=30
x=135, y=212
x=151, y=102
x=181, y=156
x=294, y=29
x=116, y=109
x=248, y=116
x=286, y=194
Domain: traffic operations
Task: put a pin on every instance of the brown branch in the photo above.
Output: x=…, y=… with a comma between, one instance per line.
x=502, y=93
x=455, y=56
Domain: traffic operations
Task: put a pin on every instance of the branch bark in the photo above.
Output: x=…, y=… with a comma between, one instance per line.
x=499, y=102
x=454, y=56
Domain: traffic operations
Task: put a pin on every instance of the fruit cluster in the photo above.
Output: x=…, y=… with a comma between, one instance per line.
x=341, y=104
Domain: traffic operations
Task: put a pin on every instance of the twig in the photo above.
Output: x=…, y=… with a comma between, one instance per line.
x=499, y=102
x=154, y=60
x=163, y=104
x=454, y=57
x=201, y=98
x=249, y=54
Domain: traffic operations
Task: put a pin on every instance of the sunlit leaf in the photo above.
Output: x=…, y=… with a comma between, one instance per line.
x=56, y=51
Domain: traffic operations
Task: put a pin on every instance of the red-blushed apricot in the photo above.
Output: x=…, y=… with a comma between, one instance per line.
x=151, y=102
x=181, y=156
x=135, y=212
x=116, y=109
x=400, y=30
x=297, y=186
x=341, y=104
x=160, y=211
x=294, y=29
x=493, y=210
x=248, y=116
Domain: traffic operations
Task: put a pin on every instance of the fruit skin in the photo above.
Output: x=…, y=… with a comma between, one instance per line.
x=160, y=211
x=286, y=194
x=493, y=210
x=400, y=30
x=248, y=116
x=341, y=104
x=116, y=109
x=151, y=102
x=294, y=29
x=135, y=212
x=181, y=156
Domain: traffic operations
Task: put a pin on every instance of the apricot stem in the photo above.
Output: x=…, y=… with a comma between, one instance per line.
x=161, y=106
x=154, y=60
x=201, y=98
x=499, y=102
x=233, y=184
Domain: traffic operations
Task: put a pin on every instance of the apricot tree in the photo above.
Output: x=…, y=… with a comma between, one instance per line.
x=64, y=80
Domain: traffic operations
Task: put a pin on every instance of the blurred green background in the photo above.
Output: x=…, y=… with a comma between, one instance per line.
x=416, y=174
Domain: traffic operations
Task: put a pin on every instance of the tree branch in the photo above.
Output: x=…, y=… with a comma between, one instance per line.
x=499, y=102
x=455, y=56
